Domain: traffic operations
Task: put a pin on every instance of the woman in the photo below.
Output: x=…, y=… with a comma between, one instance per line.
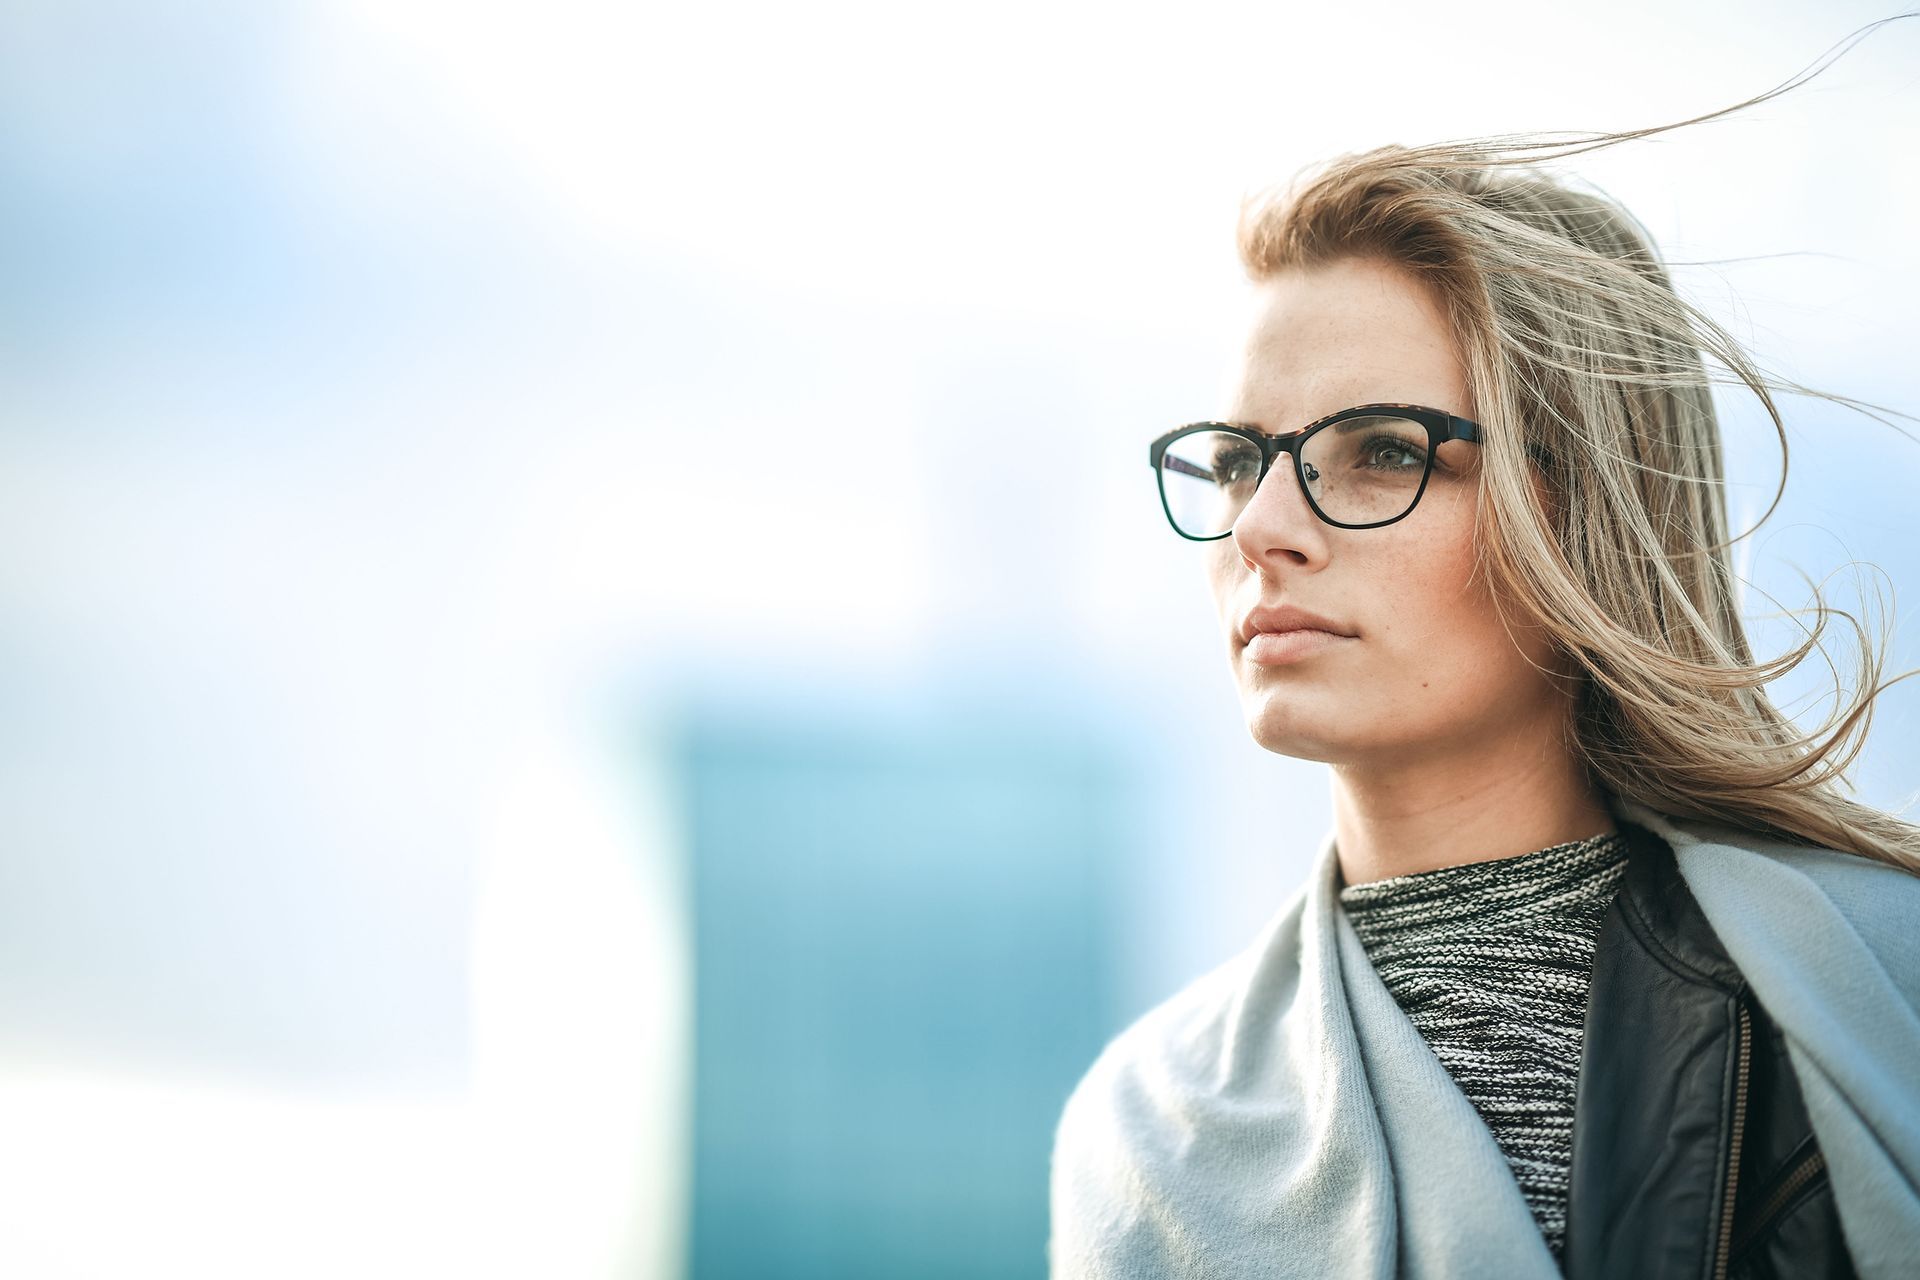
x=1596, y=973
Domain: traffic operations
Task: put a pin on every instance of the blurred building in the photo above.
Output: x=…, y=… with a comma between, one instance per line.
x=902, y=942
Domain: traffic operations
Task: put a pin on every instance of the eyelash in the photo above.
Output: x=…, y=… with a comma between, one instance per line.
x=1417, y=454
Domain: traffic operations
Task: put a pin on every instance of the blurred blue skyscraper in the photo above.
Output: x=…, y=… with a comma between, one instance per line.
x=902, y=945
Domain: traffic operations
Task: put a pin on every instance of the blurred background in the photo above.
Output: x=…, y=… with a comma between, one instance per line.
x=556, y=716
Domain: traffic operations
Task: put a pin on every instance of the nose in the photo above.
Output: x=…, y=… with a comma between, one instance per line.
x=1277, y=524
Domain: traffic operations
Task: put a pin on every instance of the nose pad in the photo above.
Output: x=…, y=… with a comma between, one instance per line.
x=1284, y=462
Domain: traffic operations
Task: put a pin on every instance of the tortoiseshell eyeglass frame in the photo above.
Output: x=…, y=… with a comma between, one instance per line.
x=1441, y=427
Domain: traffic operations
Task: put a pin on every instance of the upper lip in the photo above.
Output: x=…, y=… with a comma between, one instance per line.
x=1286, y=617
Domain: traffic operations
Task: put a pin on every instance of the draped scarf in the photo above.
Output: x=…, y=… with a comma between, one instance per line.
x=1281, y=1116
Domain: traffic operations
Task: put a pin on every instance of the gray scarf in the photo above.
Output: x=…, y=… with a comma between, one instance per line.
x=1280, y=1116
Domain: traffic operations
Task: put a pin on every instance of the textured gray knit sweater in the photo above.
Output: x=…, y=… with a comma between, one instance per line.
x=1492, y=961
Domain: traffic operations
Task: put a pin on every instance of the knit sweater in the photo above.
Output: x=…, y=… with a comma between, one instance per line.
x=1492, y=961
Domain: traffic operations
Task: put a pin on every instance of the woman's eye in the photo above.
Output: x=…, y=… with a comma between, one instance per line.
x=1378, y=449
x=1235, y=468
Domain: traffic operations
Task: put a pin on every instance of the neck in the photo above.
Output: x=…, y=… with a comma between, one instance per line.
x=1496, y=799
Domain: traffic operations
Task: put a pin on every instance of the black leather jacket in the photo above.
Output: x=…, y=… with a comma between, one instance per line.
x=1692, y=1152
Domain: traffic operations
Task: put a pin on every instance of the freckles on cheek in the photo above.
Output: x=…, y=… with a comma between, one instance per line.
x=1399, y=657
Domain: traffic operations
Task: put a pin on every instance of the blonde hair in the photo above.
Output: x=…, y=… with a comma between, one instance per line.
x=1587, y=368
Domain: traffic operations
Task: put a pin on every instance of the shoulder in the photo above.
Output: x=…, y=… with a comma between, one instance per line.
x=1879, y=903
x=1145, y=1087
x=1156, y=1075
x=1237, y=1016
x=1176, y=1039
x=1130, y=1120
x=1826, y=908
x=1839, y=875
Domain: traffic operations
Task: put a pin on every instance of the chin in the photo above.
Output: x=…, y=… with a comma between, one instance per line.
x=1284, y=736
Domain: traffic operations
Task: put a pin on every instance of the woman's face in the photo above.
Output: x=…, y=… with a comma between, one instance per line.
x=1428, y=667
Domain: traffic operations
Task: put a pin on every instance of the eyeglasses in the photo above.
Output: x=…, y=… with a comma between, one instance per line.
x=1360, y=468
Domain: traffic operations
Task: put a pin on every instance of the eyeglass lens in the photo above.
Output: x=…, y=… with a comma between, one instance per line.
x=1358, y=471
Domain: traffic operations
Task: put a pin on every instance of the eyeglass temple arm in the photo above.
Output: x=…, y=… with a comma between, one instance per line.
x=1185, y=468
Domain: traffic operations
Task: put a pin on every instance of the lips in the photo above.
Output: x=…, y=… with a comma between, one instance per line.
x=1287, y=617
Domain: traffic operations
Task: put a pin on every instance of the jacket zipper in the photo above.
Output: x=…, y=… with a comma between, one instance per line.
x=1725, y=1248
x=1802, y=1174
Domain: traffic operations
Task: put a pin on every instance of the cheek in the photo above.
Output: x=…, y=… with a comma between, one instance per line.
x=1436, y=600
x=1224, y=572
x=1427, y=598
x=1435, y=631
x=1446, y=634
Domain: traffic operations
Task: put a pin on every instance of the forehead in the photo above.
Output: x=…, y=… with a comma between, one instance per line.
x=1357, y=331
